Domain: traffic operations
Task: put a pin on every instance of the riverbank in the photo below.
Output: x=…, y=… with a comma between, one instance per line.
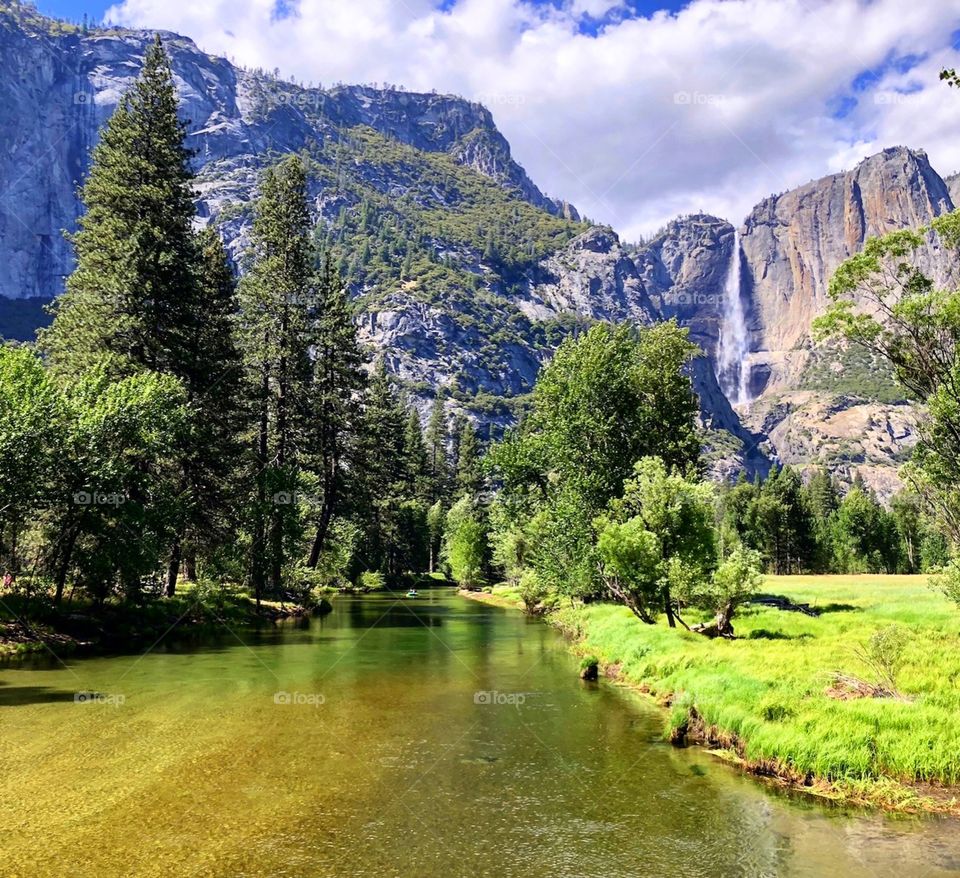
x=36, y=626
x=769, y=703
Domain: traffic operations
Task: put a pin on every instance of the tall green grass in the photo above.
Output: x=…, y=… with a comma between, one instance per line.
x=767, y=687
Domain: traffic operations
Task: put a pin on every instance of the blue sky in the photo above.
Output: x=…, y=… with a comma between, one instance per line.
x=75, y=9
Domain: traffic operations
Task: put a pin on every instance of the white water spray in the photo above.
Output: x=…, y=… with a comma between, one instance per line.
x=732, y=372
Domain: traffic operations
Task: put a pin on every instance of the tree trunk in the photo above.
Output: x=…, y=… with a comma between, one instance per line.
x=720, y=626
x=668, y=609
x=258, y=547
x=64, y=566
x=190, y=565
x=173, y=569
x=326, y=512
x=629, y=600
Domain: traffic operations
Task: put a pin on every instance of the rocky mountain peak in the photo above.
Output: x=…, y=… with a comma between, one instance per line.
x=793, y=242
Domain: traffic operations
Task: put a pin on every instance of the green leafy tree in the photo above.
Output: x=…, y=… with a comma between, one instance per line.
x=465, y=542
x=736, y=580
x=112, y=517
x=148, y=294
x=30, y=445
x=607, y=399
x=885, y=302
x=658, y=541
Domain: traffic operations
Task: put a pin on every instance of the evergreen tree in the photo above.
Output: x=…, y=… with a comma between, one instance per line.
x=415, y=452
x=147, y=294
x=277, y=298
x=821, y=499
x=384, y=470
x=215, y=393
x=437, y=438
x=469, y=480
x=133, y=294
x=338, y=380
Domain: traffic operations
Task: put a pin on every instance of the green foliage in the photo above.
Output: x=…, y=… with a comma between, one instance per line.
x=884, y=654
x=110, y=519
x=809, y=527
x=736, y=579
x=532, y=590
x=30, y=439
x=371, y=580
x=658, y=542
x=851, y=372
x=884, y=303
x=335, y=422
x=606, y=400
x=277, y=296
x=865, y=534
x=133, y=292
x=465, y=543
x=148, y=294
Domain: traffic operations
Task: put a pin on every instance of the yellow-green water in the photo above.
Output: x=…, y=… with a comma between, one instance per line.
x=453, y=739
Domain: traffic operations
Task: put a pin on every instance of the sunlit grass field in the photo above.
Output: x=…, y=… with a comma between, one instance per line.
x=768, y=686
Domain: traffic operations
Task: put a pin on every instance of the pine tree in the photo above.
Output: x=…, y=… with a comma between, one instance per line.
x=415, y=454
x=216, y=398
x=384, y=471
x=822, y=499
x=469, y=480
x=133, y=294
x=338, y=380
x=277, y=297
x=148, y=294
x=437, y=440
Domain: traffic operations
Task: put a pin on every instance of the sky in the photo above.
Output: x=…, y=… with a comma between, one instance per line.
x=634, y=110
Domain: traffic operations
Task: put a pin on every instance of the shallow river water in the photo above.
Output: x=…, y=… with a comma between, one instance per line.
x=429, y=738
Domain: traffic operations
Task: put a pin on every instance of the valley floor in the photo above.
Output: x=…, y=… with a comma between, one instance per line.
x=769, y=701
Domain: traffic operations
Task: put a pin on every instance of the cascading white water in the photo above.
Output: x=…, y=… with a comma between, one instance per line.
x=732, y=372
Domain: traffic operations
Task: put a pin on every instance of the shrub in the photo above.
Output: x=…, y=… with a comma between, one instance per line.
x=371, y=580
x=533, y=592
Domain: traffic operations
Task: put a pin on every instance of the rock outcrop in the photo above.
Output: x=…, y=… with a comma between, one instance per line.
x=793, y=242
x=58, y=85
x=684, y=269
x=592, y=277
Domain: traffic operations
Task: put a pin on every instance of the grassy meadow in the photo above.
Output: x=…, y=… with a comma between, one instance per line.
x=763, y=696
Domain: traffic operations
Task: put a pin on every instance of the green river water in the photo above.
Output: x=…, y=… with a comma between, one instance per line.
x=431, y=738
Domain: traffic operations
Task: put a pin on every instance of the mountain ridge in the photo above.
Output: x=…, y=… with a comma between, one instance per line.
x=463, y=272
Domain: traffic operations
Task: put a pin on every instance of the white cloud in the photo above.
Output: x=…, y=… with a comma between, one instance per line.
x=711, y=108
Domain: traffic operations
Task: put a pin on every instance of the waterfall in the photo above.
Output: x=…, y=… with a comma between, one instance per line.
x=732, y=372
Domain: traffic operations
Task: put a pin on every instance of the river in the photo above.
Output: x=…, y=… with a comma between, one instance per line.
x=430, y=738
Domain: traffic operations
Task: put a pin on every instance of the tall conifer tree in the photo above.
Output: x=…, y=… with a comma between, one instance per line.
x=277, y=298
x=147, y=294
x=338, y=380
